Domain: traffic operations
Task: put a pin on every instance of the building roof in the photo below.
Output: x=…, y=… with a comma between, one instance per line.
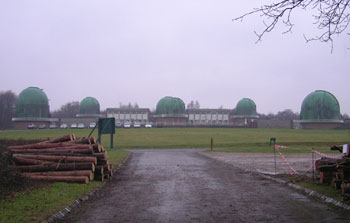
x=89, y=106
x=170, y=106
x=246, y=108
x=32, y=102
x=320, y=106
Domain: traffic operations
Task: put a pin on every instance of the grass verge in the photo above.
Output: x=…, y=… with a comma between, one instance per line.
x=308, y=183
x=227, y=139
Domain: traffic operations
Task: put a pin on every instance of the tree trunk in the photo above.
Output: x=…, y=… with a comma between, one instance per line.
x=64, y=159
x=69, y=137
x=57, y=167
x=30, y=161
x=68, y=179
x=97, y=148
x=87, y=173
x=327, y=168
x=82, y=141
x=53, y=150
x=99, y=170
x=345, y=188
x=101, y=156
x=50, y=146
x=99, y=177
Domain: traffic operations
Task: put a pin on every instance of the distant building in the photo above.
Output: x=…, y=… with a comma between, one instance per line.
x=32, y=109
x=320, y=110
x=89, y=107
x=208, y=116
x=170, y=111
x=245, y=113
x=131, y=115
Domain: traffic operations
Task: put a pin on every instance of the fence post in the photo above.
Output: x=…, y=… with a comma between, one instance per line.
x=313, y=165
x=274, y=154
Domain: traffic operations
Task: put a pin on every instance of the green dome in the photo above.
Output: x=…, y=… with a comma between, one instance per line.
x=246, y=108
x=320, y=106
x=32, y=102
x=89, y=106
x=170, y=106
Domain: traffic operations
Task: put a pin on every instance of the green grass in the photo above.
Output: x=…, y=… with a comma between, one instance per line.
x=36, y=205
x=323, y=189
x=39, y=204
x=307, y=182
x=225, y=139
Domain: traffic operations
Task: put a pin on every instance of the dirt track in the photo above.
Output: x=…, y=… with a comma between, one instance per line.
x=186, y=186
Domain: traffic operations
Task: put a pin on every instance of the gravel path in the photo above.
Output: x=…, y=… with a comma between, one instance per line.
x=187, y=186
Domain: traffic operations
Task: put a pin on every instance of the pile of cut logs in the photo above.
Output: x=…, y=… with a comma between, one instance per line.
x=336, y=173
x=64, y=159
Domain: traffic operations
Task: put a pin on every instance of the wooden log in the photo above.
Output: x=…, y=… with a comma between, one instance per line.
x=53, y=150
x=102, y=162
x=327, y=168
x=107, y=168
x=101, y=156
x=97, y=147
x=111, y=169
x=69, y=137
x=58, y=154
x=99, y=177
x=50, y=145
x=337, y=148
x=99, y=170
x=344, y=168
x=345, y=188
x=29, y=161
x=63, y=159
x=37, y=146
x=57, y=167
x=325, y=177
x=87, y=173
x=68, y=179
x=93, y=140
x=82, y=141
x=325, y=162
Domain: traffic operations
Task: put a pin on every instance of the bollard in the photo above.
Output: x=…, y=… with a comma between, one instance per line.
x=211, y=144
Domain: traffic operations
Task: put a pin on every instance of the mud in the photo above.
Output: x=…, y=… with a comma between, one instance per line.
x=187, y=186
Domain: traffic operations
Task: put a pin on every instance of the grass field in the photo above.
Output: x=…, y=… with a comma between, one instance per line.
x=225, y=139
x=37, y=205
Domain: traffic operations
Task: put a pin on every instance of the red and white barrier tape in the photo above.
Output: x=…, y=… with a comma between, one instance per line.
x=280, y=147
x=291, y=170
x=285, y=162
x=327, y=155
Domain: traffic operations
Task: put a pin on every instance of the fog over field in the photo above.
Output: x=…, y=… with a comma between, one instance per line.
x=140, y=51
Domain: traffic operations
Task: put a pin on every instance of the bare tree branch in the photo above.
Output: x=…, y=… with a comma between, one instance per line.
x=332, y=17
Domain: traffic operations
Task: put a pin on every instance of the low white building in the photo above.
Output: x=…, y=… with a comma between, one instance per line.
x=123, y=115
x=208, y=116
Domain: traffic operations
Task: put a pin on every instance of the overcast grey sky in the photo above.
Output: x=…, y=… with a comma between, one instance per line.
x=142, y=50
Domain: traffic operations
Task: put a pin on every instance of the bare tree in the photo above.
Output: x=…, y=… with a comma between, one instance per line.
x=128, y=106
x=332, y=17
x=7, y=108
x=287, y=114
x=193, y=105
x=345, y=116
x=68, y=110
